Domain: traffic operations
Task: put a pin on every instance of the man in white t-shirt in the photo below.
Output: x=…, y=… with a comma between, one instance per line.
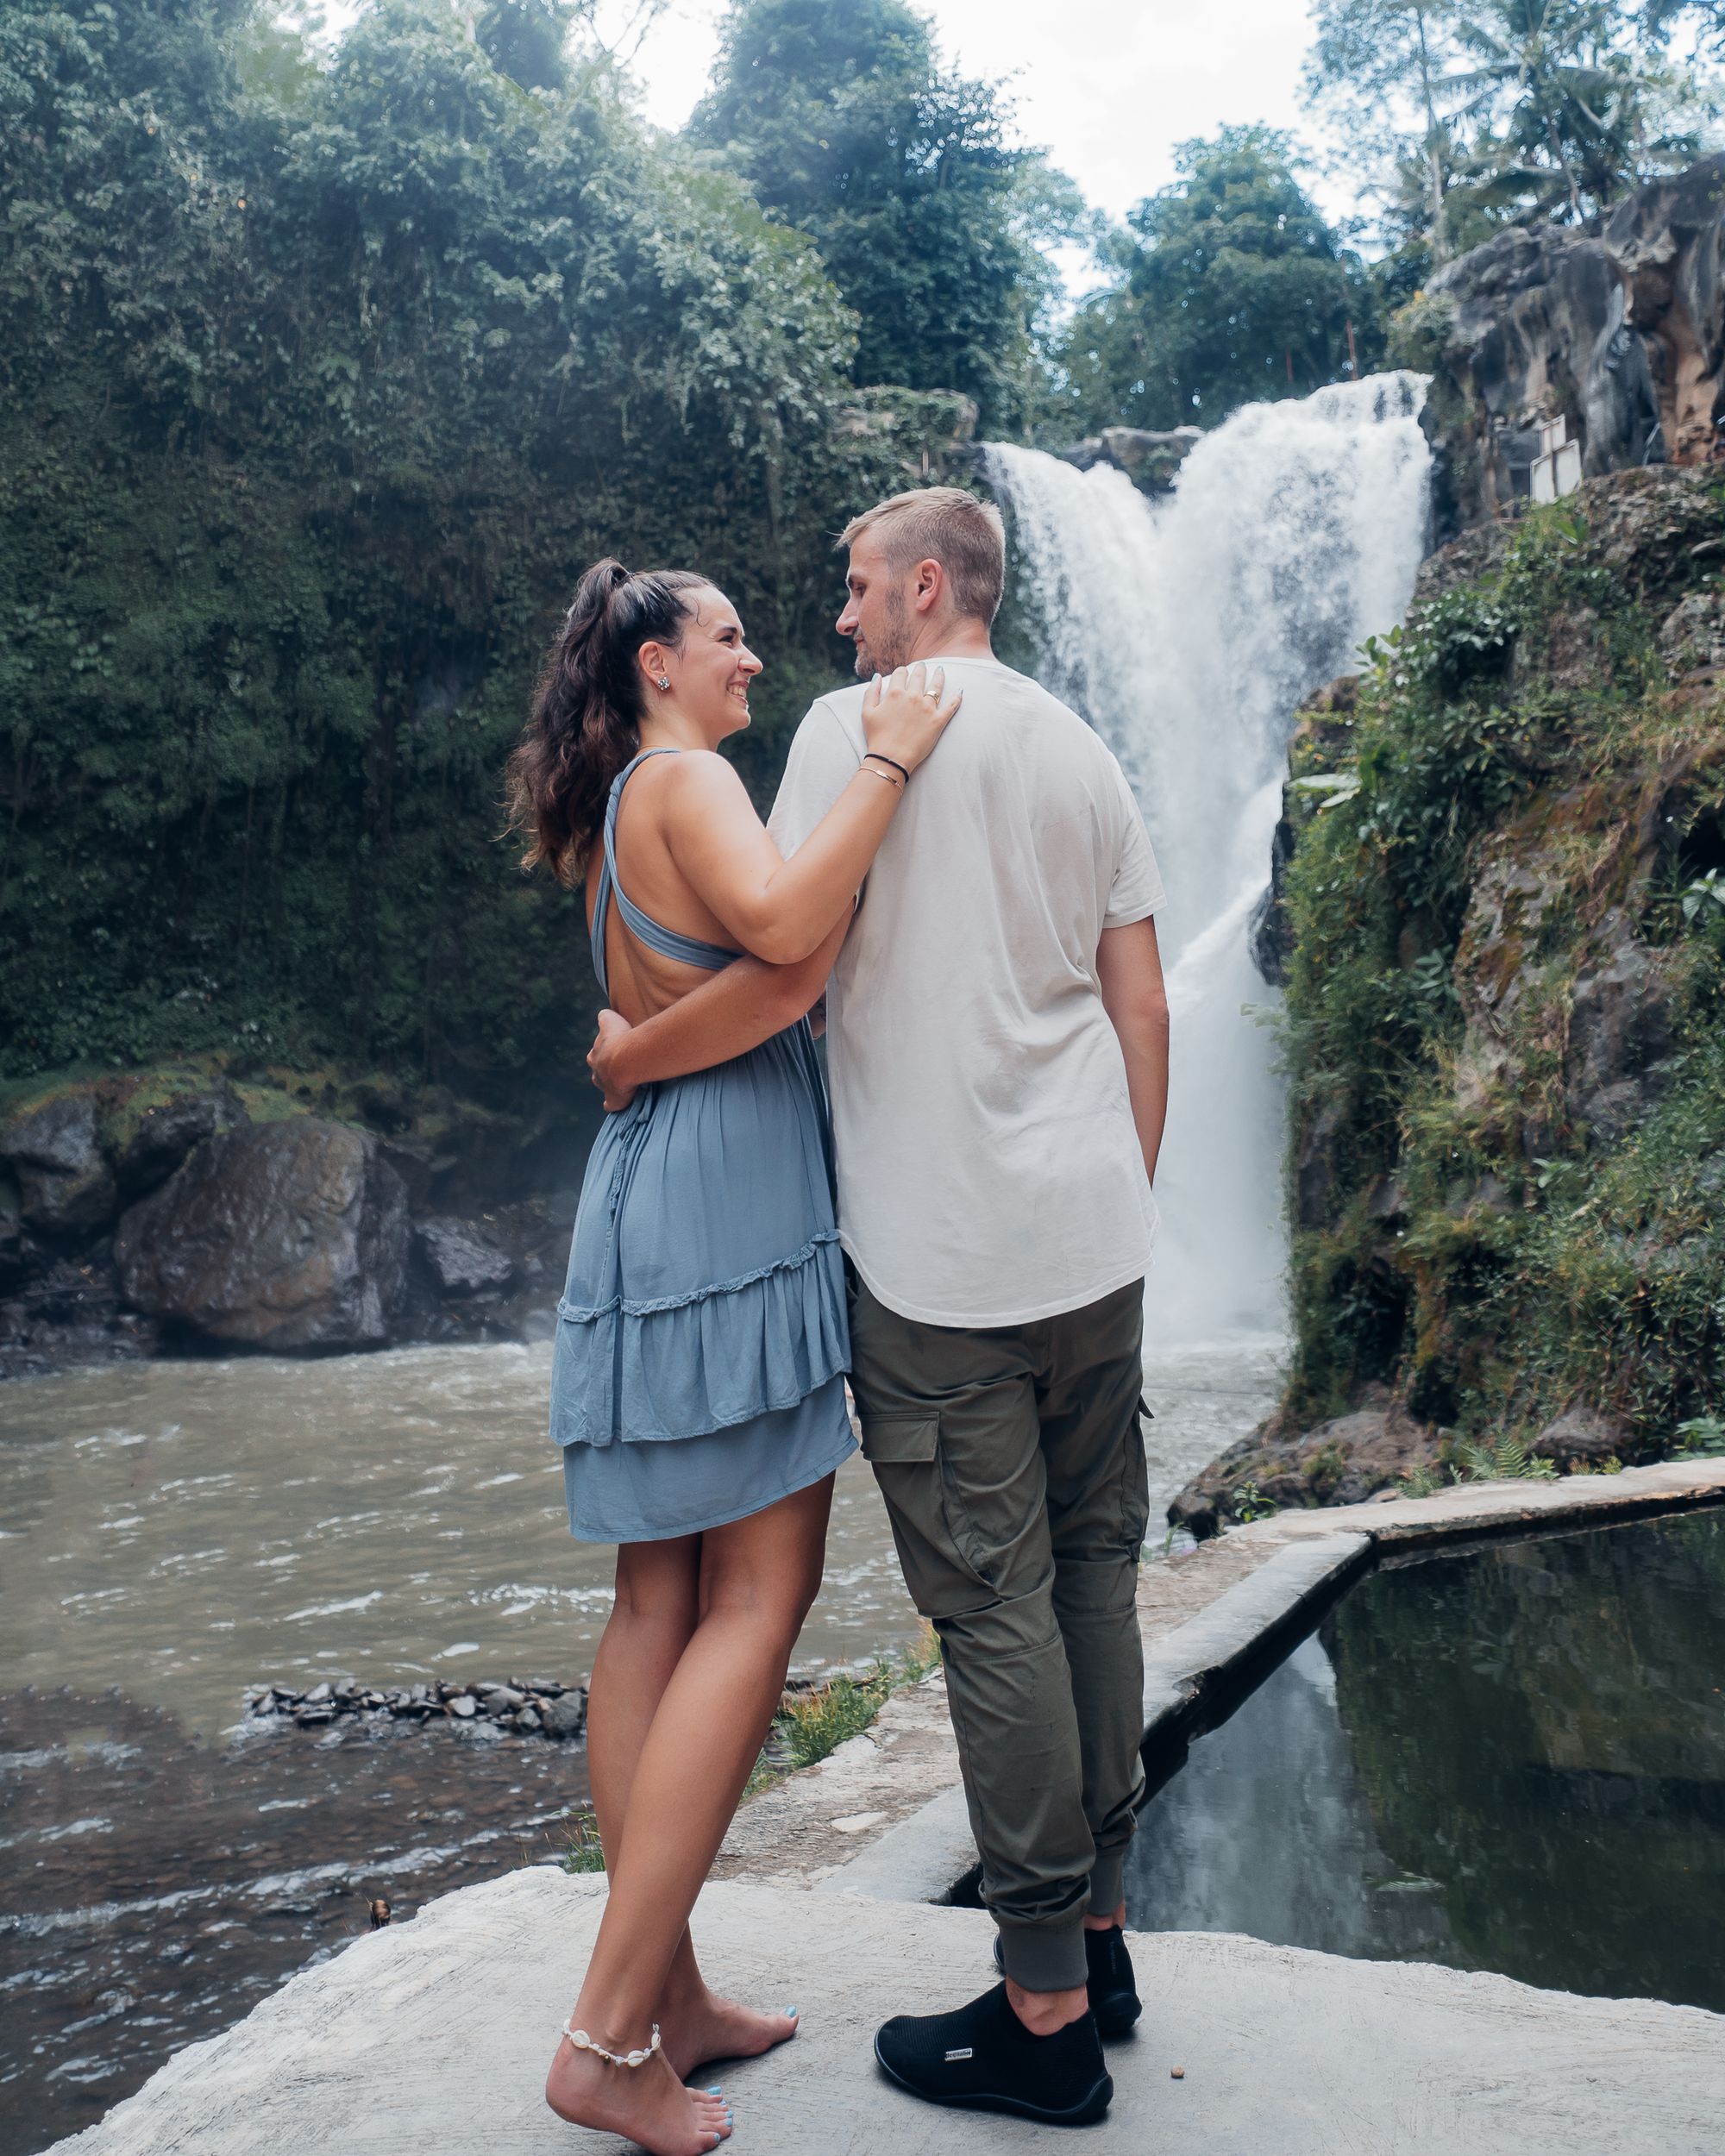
x=997, y=1038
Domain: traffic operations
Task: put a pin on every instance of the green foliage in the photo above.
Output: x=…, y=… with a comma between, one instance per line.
x=1702, y=1437
x=1468, y=1236
x=1468, y=115
x=1248, y=1503
x=1232, y=289
x=846, y=125
x=320, y=385
x=1703, y=896
x=582, y=1849
x=1501, y=1459
x=813, y=1725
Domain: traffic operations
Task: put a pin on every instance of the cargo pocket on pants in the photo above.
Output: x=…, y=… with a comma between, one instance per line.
x=1135, y=1486
x=904, y=1451
x=899, y=1440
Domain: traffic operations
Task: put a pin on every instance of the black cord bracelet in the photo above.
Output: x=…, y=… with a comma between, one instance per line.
x=874, y=756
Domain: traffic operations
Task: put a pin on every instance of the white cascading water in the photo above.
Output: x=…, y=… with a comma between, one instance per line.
x=1187, y=631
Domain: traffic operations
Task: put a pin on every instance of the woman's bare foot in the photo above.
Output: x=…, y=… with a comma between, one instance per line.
x=646, y=2104
x=704, y=2027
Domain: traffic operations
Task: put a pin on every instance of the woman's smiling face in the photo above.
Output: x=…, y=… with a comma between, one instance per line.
x=709, y=676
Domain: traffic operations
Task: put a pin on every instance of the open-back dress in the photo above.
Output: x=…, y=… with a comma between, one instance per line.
x=697, y=1374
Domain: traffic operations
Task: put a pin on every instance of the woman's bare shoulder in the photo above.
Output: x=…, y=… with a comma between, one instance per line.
x=698, y=780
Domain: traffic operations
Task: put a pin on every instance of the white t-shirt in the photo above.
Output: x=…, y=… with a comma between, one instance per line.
x=989, y=1170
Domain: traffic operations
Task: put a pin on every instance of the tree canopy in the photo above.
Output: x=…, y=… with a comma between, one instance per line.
x=1471, y=114
x=839, y=115
x=1230, y=288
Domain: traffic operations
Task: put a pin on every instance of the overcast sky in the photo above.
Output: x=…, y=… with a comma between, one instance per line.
x=1107, y=87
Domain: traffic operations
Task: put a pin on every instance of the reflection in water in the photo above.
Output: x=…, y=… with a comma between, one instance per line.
x=1266, y=1831
x=1513, y=1759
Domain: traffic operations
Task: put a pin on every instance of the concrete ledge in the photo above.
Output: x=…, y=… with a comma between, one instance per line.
x=1250, y=1622
x=920, y=1859
x=431, y=2039
x=1484, y=1509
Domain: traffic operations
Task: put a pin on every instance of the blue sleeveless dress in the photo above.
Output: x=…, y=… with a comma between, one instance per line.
x=697, y=1374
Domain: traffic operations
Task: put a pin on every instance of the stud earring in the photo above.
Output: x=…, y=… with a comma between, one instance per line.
x=664, y=681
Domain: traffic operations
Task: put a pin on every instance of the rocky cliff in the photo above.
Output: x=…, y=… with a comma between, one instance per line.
x=1621, y=331
x=180, y=1207
x=1501, y=918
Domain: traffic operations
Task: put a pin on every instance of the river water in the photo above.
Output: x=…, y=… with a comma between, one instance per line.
x=171, y=1533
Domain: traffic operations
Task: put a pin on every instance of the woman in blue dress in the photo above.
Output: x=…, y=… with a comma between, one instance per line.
x=698, y=1383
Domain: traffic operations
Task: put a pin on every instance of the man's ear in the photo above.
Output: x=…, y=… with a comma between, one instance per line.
x=930, y=582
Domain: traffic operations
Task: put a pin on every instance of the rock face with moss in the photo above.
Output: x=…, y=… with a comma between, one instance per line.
x=1502, y=916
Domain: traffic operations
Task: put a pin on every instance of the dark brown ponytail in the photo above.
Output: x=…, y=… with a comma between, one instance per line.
x=586, y=723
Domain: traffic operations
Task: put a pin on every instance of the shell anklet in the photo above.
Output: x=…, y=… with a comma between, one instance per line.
x=582, y=2041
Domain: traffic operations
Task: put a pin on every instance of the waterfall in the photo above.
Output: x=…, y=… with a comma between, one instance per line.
x=1186, y=631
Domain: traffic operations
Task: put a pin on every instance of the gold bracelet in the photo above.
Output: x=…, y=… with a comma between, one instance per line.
x=897, y=785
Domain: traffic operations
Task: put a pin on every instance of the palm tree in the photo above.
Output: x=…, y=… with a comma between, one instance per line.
x=1569, y=119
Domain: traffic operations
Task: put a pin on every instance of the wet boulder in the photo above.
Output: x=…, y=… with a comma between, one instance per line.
x=283, y=1235
x=1692, y=636
x=1667, y=242
x=64, y=1183
x=1620, y=1033
x=1150, y=460
x=462, y=1259
x=1320, y=1154
x=1585, y=1437
x=1533, y=322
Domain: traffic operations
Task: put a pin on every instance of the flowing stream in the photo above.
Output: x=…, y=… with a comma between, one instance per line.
x=1187, y=631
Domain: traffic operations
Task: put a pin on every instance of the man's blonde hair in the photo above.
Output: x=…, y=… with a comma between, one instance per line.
x=947, y=525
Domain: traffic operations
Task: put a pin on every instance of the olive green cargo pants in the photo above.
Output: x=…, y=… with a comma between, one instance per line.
x=1012, y=1464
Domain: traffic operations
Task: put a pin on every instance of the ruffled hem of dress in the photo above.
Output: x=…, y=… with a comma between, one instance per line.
x=644, y=1532
x=651, y=1308
x=683, y=1366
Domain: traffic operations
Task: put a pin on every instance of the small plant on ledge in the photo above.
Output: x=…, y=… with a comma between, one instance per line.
x=1249, y=1503
x=1702, y=1438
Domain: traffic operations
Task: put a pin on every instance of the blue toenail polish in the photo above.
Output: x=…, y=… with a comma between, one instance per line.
x=715, y=2091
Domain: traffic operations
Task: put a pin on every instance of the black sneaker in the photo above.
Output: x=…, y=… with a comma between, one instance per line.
x=983, y=2059
x=1112, y=1989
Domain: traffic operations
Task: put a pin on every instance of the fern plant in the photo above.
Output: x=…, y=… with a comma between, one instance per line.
x=1507, y=1459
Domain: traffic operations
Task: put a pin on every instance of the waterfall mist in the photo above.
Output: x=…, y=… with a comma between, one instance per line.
x=1187, y=631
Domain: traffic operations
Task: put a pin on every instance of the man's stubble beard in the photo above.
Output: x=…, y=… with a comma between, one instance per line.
x=893, y=650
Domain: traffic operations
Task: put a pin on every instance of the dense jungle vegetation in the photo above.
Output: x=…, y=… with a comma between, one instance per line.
x=320, y=383
x=1506, y=1007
